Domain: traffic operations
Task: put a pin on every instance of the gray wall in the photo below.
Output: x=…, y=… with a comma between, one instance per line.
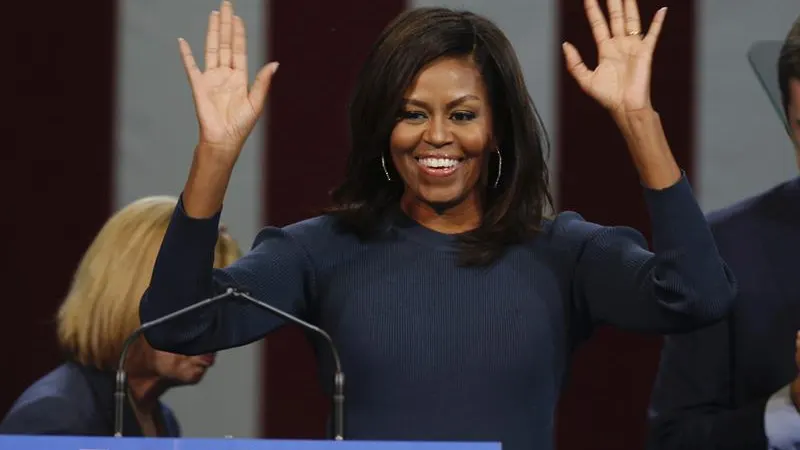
x=156, y=134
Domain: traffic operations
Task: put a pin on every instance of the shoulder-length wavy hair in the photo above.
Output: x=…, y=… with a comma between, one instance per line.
x=101, y=308
x=515, y=208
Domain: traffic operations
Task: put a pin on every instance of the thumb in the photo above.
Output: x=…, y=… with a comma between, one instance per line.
x=189, y=64
x=576, y=66
x=260, y=88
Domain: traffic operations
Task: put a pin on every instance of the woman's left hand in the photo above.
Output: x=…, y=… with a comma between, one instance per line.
x=621, y=80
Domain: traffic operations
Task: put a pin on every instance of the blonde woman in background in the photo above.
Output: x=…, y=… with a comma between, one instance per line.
x=98, y=314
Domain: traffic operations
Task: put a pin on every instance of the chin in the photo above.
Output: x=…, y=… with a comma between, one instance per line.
x=193, y=377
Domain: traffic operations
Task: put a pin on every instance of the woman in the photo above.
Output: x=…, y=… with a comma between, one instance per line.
x=98, y=314
x=453, y=301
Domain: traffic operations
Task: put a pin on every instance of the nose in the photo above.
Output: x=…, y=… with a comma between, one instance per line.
x=438, y=133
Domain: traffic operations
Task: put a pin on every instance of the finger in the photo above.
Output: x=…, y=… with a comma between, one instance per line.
x=225, y=33
x=616, y=17
x=258, y=93
x=239, y=44
x=596, y=21
x=655, y=28
x=633, y=24
x=189, y=64
x=576, y=67
x=212, y=41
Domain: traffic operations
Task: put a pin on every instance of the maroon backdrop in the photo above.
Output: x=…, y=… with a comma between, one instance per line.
x=612, y=375
x=56, y=181
x=320, y=45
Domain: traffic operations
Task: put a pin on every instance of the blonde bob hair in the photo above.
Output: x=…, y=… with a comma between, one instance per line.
x=101, y=308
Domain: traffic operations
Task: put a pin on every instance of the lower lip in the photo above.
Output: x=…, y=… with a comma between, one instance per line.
x=439, y=171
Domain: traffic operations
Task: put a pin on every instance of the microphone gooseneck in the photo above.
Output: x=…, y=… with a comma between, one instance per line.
x=338, y=379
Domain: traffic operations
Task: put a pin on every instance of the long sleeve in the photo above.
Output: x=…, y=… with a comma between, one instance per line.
x=692, y=401
x=683, y=284
x=276, y=270
x=782, y=421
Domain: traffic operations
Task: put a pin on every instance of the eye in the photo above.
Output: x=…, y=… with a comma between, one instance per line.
x=460, y=116
x=413, y=116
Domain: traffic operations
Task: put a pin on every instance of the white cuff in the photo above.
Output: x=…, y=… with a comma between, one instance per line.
x=782, y=421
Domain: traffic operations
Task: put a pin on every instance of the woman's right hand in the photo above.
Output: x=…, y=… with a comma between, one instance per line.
x=226, y=109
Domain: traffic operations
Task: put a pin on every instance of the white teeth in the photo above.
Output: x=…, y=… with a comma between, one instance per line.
x=438, y=163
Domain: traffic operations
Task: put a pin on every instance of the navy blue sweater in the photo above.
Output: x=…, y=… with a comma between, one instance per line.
x=433, y=350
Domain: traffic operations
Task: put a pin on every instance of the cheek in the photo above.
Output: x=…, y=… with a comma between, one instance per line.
x=404, y=138
x=168, y=364
x=473, y=140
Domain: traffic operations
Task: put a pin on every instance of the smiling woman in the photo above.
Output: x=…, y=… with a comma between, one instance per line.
x=454, y=303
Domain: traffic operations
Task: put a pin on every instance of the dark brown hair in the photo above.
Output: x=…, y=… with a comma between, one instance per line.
x=515, y=208
x=789, y=63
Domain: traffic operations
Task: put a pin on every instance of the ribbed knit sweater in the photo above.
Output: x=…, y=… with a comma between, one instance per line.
x=433, y=350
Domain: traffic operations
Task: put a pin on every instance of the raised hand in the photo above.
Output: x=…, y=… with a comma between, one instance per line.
x=226, y=109
x=621, y=80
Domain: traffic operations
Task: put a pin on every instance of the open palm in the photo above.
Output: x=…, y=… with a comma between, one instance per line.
x=226, y=109
x=621, y=80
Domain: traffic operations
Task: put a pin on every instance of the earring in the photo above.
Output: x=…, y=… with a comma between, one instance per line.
x=385, y=171
x=499, y=168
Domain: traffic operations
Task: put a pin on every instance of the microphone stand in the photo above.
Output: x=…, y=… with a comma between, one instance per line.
x=338, y=379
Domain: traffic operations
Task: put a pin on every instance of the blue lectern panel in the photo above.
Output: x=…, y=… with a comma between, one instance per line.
x=110, y=443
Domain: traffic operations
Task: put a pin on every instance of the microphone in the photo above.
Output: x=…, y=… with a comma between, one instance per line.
x=338, y=377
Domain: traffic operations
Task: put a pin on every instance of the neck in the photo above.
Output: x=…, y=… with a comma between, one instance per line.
x=459, y=218
x=144, y=394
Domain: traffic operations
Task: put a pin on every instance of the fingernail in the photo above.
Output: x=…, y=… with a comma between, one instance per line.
x=275, y=67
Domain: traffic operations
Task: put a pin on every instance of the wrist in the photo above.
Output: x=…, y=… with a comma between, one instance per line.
x=648, y=147
x=215, y=154
x=630, y=120
x=207, y=183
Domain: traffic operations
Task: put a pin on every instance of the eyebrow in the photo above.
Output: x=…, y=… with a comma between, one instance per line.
x=449, y=105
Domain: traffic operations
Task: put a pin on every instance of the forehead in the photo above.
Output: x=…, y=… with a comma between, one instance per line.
x=448, y=77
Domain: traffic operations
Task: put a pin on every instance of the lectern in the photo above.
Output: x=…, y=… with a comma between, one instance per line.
x=130, y=443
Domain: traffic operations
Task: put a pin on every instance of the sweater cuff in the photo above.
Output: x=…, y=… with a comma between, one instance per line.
x=675, y=216
x=782, y=421
x=189, y=224
x=193, y=239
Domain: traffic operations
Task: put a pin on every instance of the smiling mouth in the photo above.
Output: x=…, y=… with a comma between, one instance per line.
x=439, y=167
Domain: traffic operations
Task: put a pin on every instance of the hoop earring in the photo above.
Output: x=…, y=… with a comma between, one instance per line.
x=385, y=171
x=499, y=168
